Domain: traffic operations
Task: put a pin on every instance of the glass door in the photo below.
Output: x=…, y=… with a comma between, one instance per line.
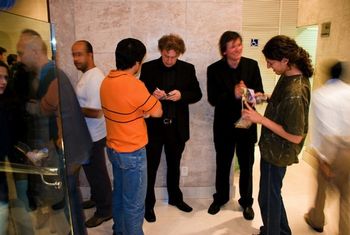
x=33, y=186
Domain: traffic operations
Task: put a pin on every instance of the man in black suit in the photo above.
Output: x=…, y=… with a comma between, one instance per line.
x=175, y=84
x=225, y=80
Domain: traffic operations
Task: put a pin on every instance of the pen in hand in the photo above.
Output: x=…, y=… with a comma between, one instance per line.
x=159, y=94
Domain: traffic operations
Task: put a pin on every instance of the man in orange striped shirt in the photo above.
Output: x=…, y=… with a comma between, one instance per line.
x=125, y=103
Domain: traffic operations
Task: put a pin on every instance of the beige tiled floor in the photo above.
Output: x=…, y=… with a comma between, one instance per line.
x=298, y=191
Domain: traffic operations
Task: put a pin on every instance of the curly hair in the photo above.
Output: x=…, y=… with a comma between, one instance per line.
x=282, y=46
x=172, y=42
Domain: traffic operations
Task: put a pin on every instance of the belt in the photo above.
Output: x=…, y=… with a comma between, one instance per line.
x=167, y=121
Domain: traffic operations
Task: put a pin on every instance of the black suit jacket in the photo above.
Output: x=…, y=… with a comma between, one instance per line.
x=76, y=136
x=185, y=81
x=220, y=87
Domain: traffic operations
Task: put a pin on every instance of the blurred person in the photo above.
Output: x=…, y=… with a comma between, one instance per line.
x=69, y=122
x=225, y=80
x=331, y=141
x=12, y=63
x=125, y=103
x=174, y=83
x=11, y=60
x=284, y=127
x=10, y=126
x=42, y=132
x=3, y=54
x=12, y=131
x=88, y=94
x=6, y=142
x=4, y=76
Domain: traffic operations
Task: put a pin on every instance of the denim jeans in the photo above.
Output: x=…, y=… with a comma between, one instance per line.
x=129, y=191
x=272, y=210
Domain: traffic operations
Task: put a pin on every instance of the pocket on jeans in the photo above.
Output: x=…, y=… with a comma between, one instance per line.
x=127, y=161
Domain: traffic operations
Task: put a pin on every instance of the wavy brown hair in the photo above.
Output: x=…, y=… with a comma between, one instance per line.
x=282, y=46
x=172, y=42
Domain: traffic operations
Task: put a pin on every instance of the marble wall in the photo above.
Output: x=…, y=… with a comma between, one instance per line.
x=199, y=22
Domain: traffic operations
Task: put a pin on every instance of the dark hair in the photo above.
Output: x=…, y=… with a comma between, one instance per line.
x=2, y=50
x=128, y=52
x=87, y=44
x=336, y=70
x=7, y=99
x=282, y=46
x=11, y=58
x=227, y=37
x=172, y=42
x=3, y=64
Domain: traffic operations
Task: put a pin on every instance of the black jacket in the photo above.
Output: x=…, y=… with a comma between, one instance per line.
x=220, y=87
x=185, y=81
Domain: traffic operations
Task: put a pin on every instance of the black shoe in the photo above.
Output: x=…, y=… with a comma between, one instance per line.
x=150, y=216
x=309, y=222
x=32, y=202
x=248, y=213
x=260, y=231
x=88, y=204
x=59, y=205
x=95, y=221
x=182, y=206
x=214, y=208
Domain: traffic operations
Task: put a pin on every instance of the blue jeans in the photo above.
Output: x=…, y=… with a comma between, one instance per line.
x=272, y=210
x=129, y=190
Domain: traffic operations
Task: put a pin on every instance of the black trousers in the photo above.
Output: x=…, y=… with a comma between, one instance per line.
x=225, y=150
x=98, y=178
x=173, y=148
x=75, y=201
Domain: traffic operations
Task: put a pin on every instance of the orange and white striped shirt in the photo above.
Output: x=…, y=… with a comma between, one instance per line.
x=125, y=100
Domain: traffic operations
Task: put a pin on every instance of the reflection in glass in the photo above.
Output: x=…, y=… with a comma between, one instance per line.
x=32, y=168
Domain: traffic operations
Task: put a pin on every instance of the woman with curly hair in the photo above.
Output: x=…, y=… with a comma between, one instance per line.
x=284, y=127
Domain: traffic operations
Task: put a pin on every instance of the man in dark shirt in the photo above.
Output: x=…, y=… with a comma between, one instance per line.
x=226, y=79
x=175, y=84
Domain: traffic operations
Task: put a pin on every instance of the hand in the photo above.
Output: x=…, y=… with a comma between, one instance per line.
x=173, y=95
x=325, y=169
x=239, y=89
x=261, y=97
x=159, y=94
x=250, y=114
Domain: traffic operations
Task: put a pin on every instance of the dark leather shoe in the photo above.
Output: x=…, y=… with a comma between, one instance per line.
x=182, y=206
x=88, y=204
x=59, y=205
x=309, y=222
x=248, y=213
x=95, y=221
x=214, y=208
x=150, y=216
